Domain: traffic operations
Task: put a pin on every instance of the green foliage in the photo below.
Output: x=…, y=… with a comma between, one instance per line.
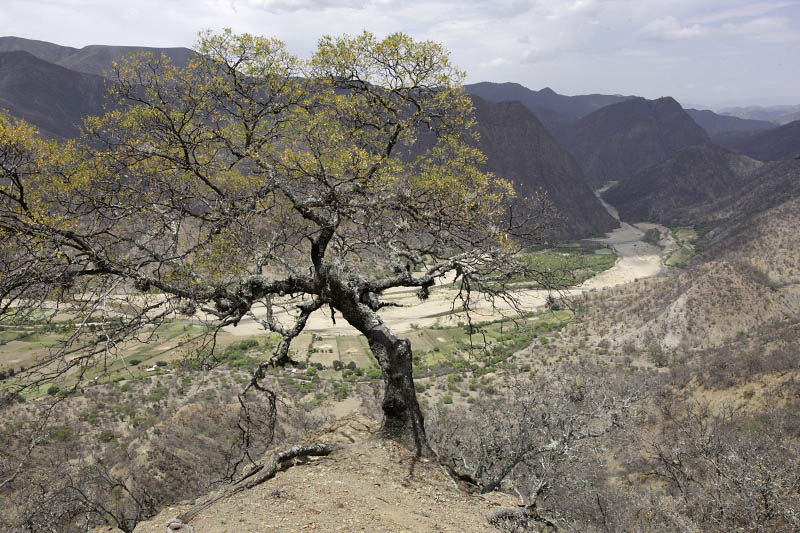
x=341, y=390
x=60, y=433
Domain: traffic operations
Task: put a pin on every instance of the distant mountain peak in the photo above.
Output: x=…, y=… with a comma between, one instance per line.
x=620, y=139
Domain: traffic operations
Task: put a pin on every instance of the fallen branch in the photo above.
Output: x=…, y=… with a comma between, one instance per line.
x=261, y=473
x=519, y=519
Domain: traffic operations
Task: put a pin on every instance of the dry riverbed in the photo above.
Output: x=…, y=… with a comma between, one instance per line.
x=636, y=259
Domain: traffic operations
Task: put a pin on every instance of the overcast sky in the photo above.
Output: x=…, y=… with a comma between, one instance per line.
x=709, y=52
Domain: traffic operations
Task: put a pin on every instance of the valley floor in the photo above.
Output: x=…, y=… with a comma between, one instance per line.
x=636, y=260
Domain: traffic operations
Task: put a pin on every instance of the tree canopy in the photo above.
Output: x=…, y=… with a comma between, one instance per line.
x=255, y=184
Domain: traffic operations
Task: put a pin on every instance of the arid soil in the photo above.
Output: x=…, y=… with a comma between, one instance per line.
x=366, y=484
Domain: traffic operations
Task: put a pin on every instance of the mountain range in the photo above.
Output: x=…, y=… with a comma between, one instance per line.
x=37, y=85
x=779, y=114
x=661, y=154
x=93, y=59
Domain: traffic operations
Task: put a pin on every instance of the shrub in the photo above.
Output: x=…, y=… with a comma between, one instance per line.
x=447, y=399
x=351, y=365
x=60, y=433
x=161, y=363
x=249, y=343
x=106, y=436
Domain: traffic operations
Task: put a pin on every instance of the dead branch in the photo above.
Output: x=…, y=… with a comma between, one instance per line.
x=259, y=474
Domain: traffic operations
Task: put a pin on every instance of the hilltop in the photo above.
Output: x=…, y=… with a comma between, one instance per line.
x=364, y=484
x=620, y=139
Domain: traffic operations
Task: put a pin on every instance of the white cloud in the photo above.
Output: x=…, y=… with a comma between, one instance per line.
x=311, y=5
x=669, y=29
x=496, y=62
x=575, y=46
x=743, y=11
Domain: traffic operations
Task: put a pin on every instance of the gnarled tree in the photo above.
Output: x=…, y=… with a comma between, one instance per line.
x=252, y=184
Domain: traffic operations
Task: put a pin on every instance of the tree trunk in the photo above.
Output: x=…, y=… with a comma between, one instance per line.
x=403, y=420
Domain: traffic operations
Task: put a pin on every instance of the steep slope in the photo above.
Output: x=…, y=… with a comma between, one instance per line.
x=93, y=59
x=765, y=188
x=746, y=277
x=725, y=125
x=692, y=176
x=620, y=139
x=519, y=148
x=773, y=145
x=50, y=97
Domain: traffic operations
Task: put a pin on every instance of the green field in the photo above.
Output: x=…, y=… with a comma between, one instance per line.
x=685, y=237
x=570, y=264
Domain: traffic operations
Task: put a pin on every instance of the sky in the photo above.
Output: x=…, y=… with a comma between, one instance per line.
x=705, y=53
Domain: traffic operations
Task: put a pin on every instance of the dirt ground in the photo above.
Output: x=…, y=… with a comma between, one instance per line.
x=366, y=484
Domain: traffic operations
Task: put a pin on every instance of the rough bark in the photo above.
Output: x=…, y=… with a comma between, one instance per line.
x=403, y=418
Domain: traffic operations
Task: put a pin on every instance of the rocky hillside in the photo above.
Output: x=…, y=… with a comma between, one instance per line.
x=745, y=277
x=692, y=176
x=773, y=145
x=621, y=139
x=52, y=98
x=768, y=186
x=519, y=148
x=93, y=59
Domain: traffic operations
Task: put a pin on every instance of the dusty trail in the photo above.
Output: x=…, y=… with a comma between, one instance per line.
x=636, y=259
